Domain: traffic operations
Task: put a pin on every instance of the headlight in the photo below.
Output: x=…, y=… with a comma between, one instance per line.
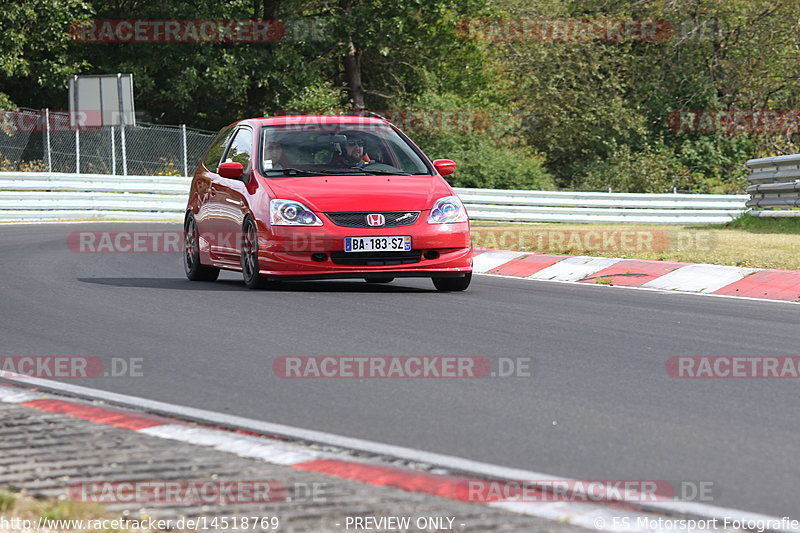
x=291, y=213
x=446, y=210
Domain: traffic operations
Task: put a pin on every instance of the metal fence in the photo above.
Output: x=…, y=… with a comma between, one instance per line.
x=774, y=186
x=48, y=196
x=40, y=140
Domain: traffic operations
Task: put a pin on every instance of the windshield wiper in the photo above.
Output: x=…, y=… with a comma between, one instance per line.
x=291, y=171
x=381, y=172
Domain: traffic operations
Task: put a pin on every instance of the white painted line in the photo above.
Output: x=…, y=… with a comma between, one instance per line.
x=492, y=259
x=13, y=395
x=269, y=450
x=699, y=278
x=574, y=268
x=456, y=464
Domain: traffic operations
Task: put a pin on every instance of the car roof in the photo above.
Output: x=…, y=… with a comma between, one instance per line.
x=318, y=119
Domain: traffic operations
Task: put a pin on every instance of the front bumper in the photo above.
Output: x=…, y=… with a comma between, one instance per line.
x=286, y=251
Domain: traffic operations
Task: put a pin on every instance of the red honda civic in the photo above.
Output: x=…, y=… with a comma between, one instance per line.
x=315, y=197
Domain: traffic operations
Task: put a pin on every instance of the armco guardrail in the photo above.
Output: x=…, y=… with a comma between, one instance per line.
x=45, y=196
x=33, y=196
x=563, y=206
x=774, y=186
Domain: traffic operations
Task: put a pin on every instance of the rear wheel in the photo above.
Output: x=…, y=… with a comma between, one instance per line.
x=452, y=284
x=379, y=280
x=249, y=248
x=194, y=270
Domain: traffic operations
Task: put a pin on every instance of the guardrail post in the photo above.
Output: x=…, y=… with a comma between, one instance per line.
x=124, y=151
x=113, y=152
x=185, y=159
x=47, y=139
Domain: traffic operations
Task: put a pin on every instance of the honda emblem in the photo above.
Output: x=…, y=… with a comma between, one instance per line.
x=376, y=219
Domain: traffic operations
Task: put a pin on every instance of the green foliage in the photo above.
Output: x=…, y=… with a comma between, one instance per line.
x=561, y=114
x=488, y=163
x=35, y=59
x=649, y=171
x=715, y=163
x=322, y=98
x=486, y=147
x=708, y=164
x=7, y=500
x=599, y=108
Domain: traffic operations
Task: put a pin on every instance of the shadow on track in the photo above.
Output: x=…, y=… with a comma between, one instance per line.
x=236, y=285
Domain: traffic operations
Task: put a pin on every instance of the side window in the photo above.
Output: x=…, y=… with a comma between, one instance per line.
x=214, y=154
x=241, y=148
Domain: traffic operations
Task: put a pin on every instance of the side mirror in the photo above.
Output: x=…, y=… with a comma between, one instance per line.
x=230, y=169
x=445, y=167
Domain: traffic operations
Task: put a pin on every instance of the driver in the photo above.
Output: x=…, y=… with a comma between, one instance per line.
x=274, y=156
x=353, y=155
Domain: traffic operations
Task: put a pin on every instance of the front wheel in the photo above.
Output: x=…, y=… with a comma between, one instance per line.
x=452, y=284
x=195, y=270
x=249, y=255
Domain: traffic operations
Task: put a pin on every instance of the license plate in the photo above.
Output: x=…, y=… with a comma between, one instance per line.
x=377, y=244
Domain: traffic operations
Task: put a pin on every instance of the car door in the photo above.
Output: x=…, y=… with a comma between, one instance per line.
x=204, y=188
x=229, y=197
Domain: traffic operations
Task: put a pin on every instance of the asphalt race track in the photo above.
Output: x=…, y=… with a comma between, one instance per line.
x=599, y=405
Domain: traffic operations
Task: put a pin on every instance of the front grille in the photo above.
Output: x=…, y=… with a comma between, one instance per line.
x=375, y=258
x=359, y=220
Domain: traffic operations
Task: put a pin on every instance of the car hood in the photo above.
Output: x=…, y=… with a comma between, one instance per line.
x=361, y=193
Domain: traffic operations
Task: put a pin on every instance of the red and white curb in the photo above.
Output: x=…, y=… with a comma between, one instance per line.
x=266, y=441
x=718, y=280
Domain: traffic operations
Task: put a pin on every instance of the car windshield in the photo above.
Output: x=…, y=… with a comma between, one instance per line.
x=340, y=148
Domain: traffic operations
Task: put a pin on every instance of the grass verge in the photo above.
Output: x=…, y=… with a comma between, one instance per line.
x=20, y=507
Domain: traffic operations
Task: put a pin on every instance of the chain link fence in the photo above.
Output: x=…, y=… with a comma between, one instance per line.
x=43, y=141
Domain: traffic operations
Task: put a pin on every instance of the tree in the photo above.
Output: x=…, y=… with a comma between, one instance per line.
x=597, y=105
x=35, y=58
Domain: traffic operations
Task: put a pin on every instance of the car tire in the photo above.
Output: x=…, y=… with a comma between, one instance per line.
x=379, y=280
x=452, y=284
x=194, y=269
x=249, y=257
